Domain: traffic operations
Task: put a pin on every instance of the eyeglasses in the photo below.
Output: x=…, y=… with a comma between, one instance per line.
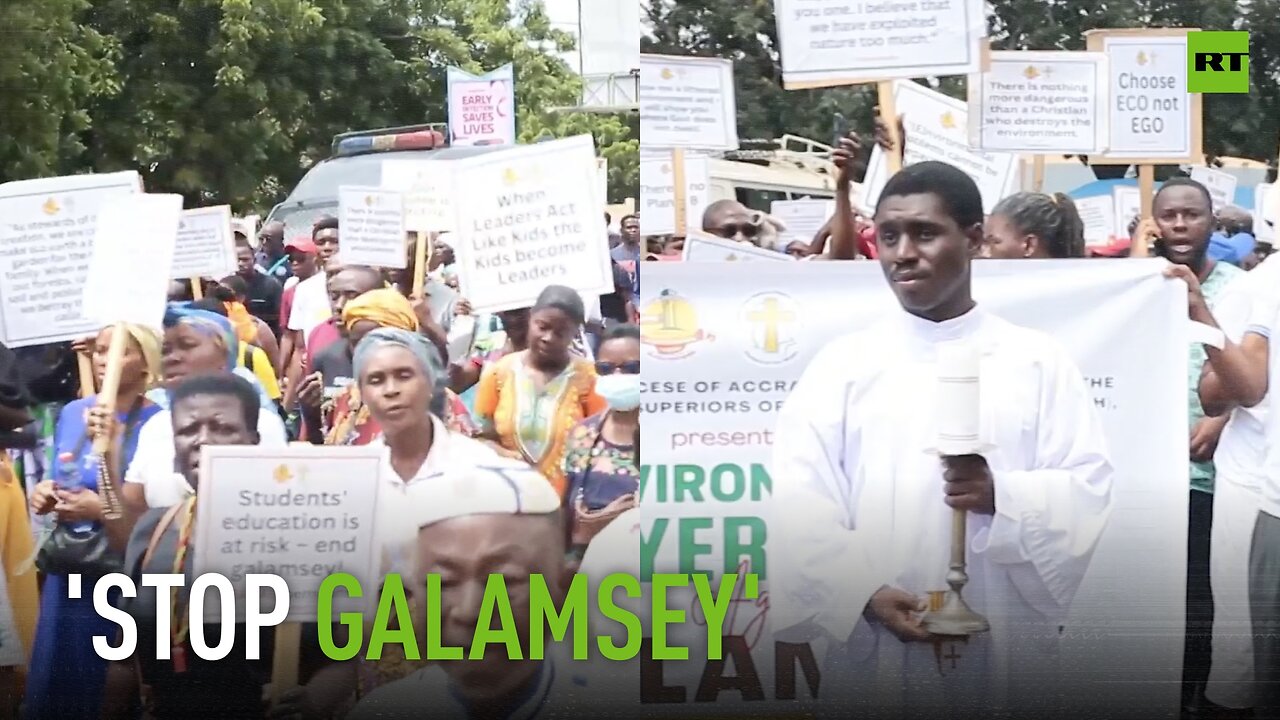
x=731, y=230
x=627, y=368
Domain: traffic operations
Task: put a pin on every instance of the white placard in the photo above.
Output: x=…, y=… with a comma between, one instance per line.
x=372, y=221
x=1098, y=214
x=1261, y=228
x=46, y=239
x=1150, y=107
x=658, y=193
x=482, y=108
x=206, y=247
x=1128, y=204
x=803, y=218
x=1221, y=185
x=302, y=512
x=133, y=246
x=837, y=42
x=937, y=128
x=687, y=102
x=1040, y=102
x=247, y=226
x=532, y=219
x=427, y=186
x=704, y=247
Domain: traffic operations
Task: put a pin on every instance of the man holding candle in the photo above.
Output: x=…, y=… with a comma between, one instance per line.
x=867, y=478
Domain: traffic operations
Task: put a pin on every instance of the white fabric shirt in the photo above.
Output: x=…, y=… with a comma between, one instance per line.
x=858, y=504
x=405, y=506
x=153, y=461
x=1242, y=448
x=310, y=305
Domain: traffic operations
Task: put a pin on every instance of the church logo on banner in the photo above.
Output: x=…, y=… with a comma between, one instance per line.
x=669, y=327
x=774, y=324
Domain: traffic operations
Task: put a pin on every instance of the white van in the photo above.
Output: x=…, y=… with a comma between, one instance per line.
x=799, y=168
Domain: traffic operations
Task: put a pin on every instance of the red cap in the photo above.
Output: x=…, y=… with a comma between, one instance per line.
x=1117, y=247
x=302, y=244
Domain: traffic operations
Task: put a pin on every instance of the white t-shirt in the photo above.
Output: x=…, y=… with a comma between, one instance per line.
x=153, y=461
x=310, y=305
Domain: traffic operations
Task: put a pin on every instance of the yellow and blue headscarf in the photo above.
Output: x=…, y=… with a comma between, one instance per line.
x=208, y=323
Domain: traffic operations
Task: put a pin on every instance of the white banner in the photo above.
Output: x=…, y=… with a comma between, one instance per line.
x=482, y=108
x=427, y=186
x=803, y=218
x=373, y=231
x=724, y=344
x=133, y=245
x=705, y=247
x=937, y=129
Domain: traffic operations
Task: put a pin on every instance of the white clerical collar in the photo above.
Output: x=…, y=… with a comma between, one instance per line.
x=932, y=332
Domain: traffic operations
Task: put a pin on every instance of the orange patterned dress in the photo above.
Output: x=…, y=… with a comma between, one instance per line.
x=533, y=422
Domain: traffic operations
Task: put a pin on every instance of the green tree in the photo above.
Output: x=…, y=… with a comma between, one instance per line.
x=49, y=66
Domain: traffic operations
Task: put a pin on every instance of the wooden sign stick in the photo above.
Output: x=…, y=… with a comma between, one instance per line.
x=1147, y=193
x=680, y=193
x=197, y=289
x=284, y=659
x=889, y=114
x=1037, y=174
x=85, y=367
x=111, y=381
x=421, y=256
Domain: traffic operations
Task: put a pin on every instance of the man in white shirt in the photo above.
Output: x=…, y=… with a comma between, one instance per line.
x=861, y=533
x=1240, y=471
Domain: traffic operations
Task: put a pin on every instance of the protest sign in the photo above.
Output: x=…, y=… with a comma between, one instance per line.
x=705, y=247
x=46, y=239
x=937, y=128
x=1098, y=215
x=687, y=102
x=133, y=248
x=803, y=218
x=206, y=247
x=835, y=42
x=1221, y=185
x=602, y=177
x=658, y=192
x=723, y=345
x=427, y=186
x=1263, y=213
x=482, y=108
x=532, y=219
x=300, y=512
x=1040, y=102
x=1128, y=207
x=1152, y=118
x=372, y=222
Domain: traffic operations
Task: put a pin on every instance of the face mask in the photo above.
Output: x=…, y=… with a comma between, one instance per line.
x=622, y=392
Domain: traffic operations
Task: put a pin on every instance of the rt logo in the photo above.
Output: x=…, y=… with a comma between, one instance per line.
x=1218, y=62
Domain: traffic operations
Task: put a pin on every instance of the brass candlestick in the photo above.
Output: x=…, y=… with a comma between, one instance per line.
x=955, y=618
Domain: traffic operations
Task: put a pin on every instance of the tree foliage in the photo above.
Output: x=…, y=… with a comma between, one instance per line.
x=230, y=101
x=745, y=31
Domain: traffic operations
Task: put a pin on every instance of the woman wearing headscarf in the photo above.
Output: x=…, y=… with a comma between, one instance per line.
x=67, y=676
x=250, y=356
x=346, y=420
x=196, y=342
x=527, y=402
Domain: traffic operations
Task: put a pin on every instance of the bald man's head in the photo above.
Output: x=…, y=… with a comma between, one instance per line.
x=731, y=220
x=1234, y=220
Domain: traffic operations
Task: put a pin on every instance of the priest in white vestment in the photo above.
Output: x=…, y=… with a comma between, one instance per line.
x=861, y=528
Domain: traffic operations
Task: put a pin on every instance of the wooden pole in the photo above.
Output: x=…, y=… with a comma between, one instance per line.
x=889, y=114
x=1147, y=193
x=111, y=381
x=1037, y=174
x=197, y=289
x=421, y=256
x=87, y=382
x=680, y=194
x=284, y=659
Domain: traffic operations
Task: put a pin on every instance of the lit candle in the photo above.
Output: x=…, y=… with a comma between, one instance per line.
x=959, y=409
